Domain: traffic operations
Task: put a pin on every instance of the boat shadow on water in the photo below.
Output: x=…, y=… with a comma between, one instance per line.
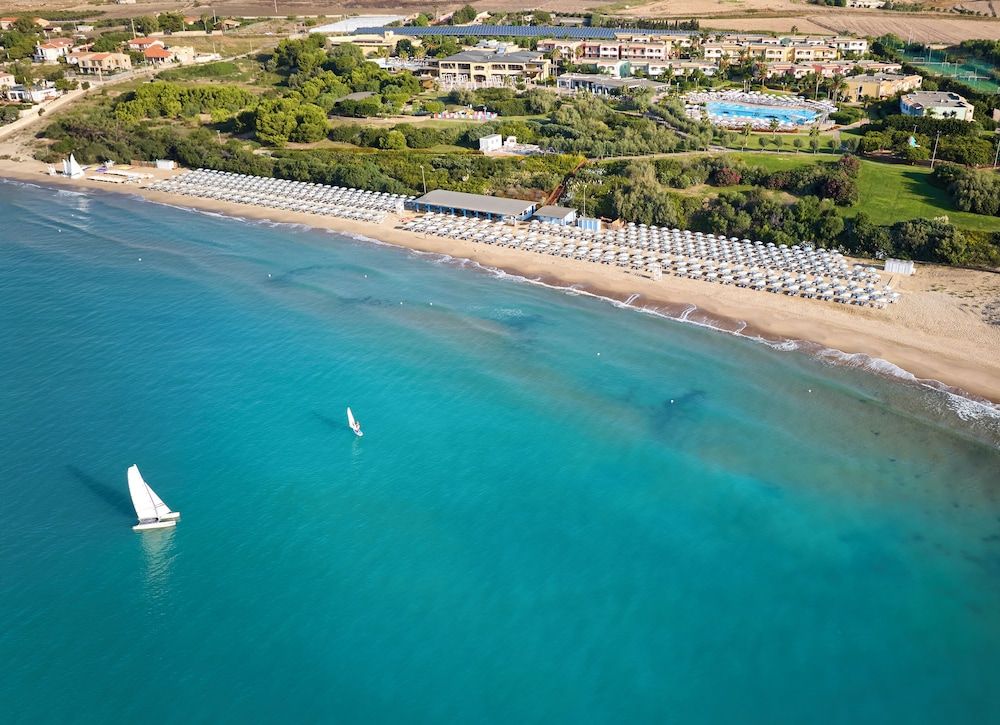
x=110, y=495
x=334, y=424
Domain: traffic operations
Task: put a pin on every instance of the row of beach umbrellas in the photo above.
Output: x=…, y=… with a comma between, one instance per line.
x=853, y=286
x=286, y=194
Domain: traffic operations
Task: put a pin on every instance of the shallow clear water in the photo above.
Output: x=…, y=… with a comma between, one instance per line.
x=727, y=109
x=560, y=511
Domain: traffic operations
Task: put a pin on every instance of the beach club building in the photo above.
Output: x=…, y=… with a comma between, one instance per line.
x=564, y=216
x=459, y=203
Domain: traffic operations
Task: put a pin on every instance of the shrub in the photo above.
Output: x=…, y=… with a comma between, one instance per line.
x=849, y=164
x=726, y=176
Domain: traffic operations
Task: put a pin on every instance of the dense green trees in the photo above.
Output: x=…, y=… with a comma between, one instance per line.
x=8, y=114
x=20, y=39
x=172, y=100
x=641, y=199
x=975, y=191
x=110, y=42
x=756, y=214
x=959, y=141
x=465, y=14
x=275, y=120
x=506, y=101
x=170, y=22
x=146, y=24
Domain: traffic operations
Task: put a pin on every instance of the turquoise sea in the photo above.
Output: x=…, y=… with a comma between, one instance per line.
x=561, y=511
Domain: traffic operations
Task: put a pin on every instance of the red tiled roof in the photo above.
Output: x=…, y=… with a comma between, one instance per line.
x=157, y=52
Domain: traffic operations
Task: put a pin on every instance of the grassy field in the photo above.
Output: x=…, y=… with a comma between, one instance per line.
x=242, y=71
x=783, y=162
x=894, y=192
x=889, y=192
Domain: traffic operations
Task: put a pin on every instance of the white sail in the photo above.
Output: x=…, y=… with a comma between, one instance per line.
x=350, y=419
x=71, y=168
x=162, y=510
x=145, y=506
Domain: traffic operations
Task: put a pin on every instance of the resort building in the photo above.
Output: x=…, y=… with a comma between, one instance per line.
x=844, y=44
x=487, y=67
x=829, y=69
x=938, y=104
x=604, y=85
x=723, y=51
x=566, y=48
x=459, y=203
x=783, y=49
x=561, y=215
x=101, y=63
x=6, y=80
x=805, y=52
x=880, y=85
x=621, y=47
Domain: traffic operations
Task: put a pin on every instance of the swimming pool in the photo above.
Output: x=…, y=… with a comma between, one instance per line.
x=728, y=109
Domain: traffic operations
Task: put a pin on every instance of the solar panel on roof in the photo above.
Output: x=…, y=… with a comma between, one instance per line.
x=521, y=31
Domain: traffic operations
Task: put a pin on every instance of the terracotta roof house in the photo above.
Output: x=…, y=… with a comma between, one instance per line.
x=157, y=54
x=141, y=44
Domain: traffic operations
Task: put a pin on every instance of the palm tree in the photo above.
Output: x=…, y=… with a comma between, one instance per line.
x=773, y=125
x=746, y=136
x=839, y=87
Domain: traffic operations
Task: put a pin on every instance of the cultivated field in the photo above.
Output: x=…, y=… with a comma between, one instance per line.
x=265, y=8
x=740, y=15
x=918, y=28
x=689, y=8
x=921, y=28
x=783, y=24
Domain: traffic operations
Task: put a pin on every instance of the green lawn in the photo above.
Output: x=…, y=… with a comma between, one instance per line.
x=888, y=192
x=896, y=192
x=782, y=162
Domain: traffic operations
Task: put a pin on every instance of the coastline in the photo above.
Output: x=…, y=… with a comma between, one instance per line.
x=933, y=332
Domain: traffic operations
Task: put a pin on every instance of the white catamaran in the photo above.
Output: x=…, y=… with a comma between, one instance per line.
x=152, y=512
x=355, y=425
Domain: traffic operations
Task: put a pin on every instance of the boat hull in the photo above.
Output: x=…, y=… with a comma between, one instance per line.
x=172, y=516
x=154, y=525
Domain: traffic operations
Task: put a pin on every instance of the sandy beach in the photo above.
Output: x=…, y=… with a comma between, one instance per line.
x=939, y=331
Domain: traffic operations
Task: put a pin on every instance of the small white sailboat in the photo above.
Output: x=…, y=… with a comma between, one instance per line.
x=152, y=512
x=71, y=168
x=355, y=425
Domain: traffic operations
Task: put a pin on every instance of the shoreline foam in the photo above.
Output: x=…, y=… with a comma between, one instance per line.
x=966, y=365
